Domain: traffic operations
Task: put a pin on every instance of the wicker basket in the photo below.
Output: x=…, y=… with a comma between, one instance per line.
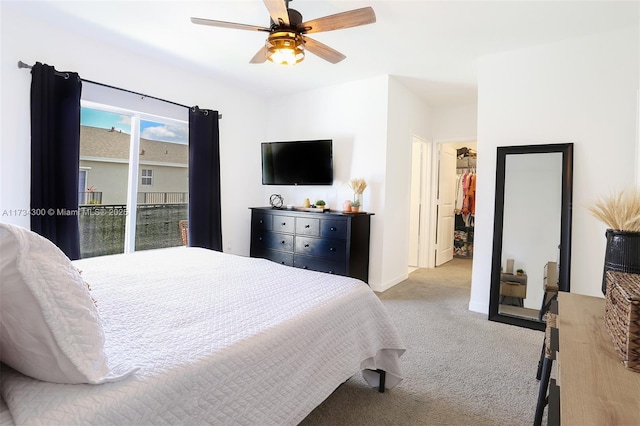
x=622, y=316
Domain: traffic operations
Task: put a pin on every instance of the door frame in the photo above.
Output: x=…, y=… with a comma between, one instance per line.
x=424, y=227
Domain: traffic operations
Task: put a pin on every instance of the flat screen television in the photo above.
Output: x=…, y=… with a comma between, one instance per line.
x=297, y=163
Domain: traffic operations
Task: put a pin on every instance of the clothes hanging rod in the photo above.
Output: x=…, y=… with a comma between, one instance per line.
x=66, y=75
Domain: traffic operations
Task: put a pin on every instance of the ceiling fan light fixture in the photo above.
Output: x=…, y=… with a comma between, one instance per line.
x=285, y=48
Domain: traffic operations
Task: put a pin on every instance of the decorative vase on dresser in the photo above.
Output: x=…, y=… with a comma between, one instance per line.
x=622, y=254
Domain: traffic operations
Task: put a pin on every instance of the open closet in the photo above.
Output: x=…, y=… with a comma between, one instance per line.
x=465, y=202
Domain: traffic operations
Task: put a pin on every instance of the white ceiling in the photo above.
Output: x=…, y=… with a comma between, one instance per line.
x=432, y=46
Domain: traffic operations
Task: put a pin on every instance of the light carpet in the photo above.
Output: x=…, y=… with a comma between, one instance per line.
x=460, y=368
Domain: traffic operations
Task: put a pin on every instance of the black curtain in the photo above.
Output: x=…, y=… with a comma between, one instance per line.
x=55, y=156
x=205, y=222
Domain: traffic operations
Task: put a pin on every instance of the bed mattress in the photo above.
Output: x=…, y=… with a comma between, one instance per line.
x=218, y=339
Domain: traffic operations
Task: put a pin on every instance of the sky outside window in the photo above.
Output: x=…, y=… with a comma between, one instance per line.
x=148, y=129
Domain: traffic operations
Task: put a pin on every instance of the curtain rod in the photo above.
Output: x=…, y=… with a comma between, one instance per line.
x=66, y=75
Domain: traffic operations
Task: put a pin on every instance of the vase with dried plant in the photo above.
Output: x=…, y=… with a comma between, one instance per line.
x=621, y=213
x=357, y=185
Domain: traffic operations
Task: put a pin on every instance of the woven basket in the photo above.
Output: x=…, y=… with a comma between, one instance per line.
x=622, y=316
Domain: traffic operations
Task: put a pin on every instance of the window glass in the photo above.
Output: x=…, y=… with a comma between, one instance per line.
x=116, y=213
x=163, y=195
x=147, y=177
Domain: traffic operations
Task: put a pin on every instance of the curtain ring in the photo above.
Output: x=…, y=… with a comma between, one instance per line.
x=206, y=112
x=66, y=76
x=194, y=109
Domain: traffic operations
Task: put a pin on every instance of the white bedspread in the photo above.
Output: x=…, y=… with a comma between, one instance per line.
x=219, y=339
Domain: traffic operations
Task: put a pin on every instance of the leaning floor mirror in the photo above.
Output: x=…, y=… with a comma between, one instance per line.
x=532, y=230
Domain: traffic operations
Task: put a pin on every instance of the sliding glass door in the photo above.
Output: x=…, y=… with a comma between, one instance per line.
x=134, y=170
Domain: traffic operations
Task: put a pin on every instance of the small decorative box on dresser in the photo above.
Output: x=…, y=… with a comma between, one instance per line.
x=332, y=242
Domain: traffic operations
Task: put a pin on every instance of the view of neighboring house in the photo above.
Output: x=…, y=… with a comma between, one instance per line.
x=162, y=187
x=104, y=167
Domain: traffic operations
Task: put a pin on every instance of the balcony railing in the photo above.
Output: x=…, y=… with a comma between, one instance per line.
x=90, y=197
x=102, y=228
x=163, y=197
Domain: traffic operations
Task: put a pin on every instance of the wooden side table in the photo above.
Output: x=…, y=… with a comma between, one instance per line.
x=595, y=387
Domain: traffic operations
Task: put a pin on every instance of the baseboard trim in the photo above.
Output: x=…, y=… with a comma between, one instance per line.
x=386, y=286
x=482, y=308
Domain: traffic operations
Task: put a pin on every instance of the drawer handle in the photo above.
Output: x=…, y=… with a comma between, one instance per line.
x=282, y=263
x=307, y=226
x=282, y=242
x=306, y=245
x=304, y=267
x=260, y=239
x=261, y=221
x=333, y=228
x=284, y=223
x=331, y=272
x=332, y=249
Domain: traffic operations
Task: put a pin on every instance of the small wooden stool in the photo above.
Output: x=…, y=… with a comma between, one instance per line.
x=184, y=232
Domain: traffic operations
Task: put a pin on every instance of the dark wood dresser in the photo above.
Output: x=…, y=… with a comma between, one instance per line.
x=332, y=242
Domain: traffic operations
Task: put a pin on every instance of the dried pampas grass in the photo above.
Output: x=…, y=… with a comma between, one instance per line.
x=358, y=185
x=619, y=211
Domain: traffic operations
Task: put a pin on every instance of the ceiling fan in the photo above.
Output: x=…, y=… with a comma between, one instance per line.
x=288, y=39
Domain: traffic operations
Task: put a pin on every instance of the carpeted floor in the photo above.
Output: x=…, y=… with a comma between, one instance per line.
x=460, y=368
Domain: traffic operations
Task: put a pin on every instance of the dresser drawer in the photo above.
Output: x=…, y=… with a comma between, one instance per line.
x=272, y=240
x=283, y=223
x=320, y=265
x=278, y=257
x=307, y=226
x=260, y=221
x=334, y=249
x=334, y=229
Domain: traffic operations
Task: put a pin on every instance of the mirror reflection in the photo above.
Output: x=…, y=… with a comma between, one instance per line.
x=532, y=231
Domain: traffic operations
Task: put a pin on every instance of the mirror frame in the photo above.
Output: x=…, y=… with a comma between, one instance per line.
x=566, y=149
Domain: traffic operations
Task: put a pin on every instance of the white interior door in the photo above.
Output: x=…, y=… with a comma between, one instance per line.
x=414, y=218
x=445, y=204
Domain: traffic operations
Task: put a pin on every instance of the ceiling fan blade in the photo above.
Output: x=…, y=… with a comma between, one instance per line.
x=278, y=11
x=224, y=24
x=323, y=51
x=352, y=18
x=260, y=57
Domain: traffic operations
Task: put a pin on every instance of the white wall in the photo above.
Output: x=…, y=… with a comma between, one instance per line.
x=243, y=124
x=371, y=122
x=582, y=91
x=455, y=123
x=408, y=117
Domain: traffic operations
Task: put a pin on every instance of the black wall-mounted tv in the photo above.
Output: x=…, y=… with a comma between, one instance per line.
x=297, y=163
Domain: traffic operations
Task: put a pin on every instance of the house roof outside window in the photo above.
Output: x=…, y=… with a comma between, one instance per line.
x=98, y=143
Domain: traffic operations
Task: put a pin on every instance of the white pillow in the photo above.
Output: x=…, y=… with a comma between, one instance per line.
x=50, y=328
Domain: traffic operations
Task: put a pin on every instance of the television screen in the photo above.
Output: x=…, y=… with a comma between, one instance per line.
x=297, y=163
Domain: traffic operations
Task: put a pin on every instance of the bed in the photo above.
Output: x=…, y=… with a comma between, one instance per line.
x=197, y=336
